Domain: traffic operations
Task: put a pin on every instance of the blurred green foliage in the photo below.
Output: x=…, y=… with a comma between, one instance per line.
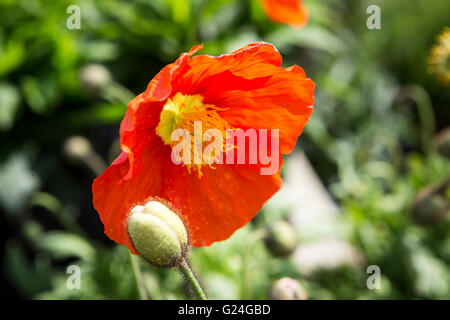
x=369, y=139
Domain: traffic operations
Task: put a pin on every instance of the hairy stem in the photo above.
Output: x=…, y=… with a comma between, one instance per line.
x=187, y=272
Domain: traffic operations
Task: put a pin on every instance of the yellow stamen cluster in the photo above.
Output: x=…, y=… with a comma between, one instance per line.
x=439, y=59
x=182, y=112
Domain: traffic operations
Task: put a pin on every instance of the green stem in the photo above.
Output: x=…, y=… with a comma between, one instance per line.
x=186, y=270
x=244, y=275
x=255, y=237
x=138, y=277
x=54, y=206
x=426, y=114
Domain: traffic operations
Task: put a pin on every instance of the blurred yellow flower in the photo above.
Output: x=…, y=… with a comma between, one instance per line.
x=439, y=59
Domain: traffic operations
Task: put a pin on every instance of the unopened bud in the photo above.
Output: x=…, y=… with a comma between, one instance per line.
x=158, y=234
x=94, y=77
x=281, y=239
x=287, y=289
x=442, y=142
x=77, y=148
x=430, y=206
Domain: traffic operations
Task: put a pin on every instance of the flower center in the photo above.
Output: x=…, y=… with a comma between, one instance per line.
x=187, y=112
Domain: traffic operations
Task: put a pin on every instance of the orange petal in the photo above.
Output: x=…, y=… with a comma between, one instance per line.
x=209, y=206
x=222, y=201
x=257, y=92
x=285, y=102
x=143, y=112
x=115, y=194
x=262, y=58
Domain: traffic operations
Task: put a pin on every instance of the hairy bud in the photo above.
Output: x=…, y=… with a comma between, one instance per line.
x=77, y=147
x=94, y=77
x=429, y=209
x=281, y=239
x=158, y=234
x=442, y=142
x=287, y=289
x=431, y=204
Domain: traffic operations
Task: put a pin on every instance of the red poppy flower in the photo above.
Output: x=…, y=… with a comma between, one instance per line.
x=245, y=89
x=291, y=12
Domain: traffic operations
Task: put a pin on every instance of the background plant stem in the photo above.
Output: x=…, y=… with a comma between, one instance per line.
x=143, y=295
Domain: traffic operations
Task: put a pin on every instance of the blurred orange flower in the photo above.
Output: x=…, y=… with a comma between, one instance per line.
x=245, y=89
x=291, y=12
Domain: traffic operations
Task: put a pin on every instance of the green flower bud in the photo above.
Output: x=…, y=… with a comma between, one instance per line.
x=429, y=208
x=158, y=234
x=94, y=77
x=442, y=142
x=287, y=289
x=281, y=239
x=77, y=148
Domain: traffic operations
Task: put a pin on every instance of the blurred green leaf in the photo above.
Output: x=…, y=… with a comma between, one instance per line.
x=62, y=245
x=40, y=94
x=10, y=98
x=12, y=55
x=29, y=279
x=312, y=37
x=102, y=113
x=432, y=276
x=220, y=287
x=99, y=51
